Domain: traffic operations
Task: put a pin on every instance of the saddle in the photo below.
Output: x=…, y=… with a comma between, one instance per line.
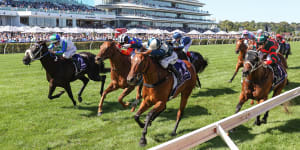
x=185, y=74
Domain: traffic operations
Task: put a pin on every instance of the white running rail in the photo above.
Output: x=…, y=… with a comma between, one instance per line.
x=220, y=127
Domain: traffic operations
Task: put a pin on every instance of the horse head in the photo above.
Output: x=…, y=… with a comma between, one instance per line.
x=240, y=46
x=35, y=52
x=139, y=66
x=105, y=51
x=252, y=62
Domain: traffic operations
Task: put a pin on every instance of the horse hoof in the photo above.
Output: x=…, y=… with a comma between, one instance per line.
x=264, y=121
x=173, y=134
x=143, y=142
x=99, y=114
x=79, y=99
x=230, y=81
x=257, y=123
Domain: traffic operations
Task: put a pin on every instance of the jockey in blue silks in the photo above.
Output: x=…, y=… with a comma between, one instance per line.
x=181, y=42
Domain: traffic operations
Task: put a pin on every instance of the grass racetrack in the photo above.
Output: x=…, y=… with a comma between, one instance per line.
x=29, y=120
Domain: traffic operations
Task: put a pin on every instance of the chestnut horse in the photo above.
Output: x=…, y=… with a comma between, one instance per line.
x=258, y=82
x=158, y=83
x=241, y=49
x=120, y=66
x=61, y=72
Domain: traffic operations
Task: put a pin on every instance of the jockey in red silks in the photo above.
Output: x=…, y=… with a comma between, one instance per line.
x=268, y=46
x=130, y=44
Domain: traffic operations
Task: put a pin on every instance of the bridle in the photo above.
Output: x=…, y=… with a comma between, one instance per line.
x=33, y=55
x=253, y=66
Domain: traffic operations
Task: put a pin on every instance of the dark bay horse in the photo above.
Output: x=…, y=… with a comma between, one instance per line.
x=61, y=72
x=158, y=84
x=258, y=83
x=198, y=61
x=120, y=66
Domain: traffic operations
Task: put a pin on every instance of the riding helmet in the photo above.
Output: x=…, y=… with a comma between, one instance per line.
x=54, y=38
x=153, y=44
x=261, y=38
x=123, y=38
x=177, y=35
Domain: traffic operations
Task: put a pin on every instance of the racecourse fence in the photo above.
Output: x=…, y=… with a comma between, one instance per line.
x=9, y=48
x=219, y=128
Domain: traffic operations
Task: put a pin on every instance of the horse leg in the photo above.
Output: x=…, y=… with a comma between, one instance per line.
x=198, y=81
x=143, y=107
x=138, y=97
x=158, y=107
x=184, y=98
x=103, y=78
x=67, y=87
x=264, y=119
x=257, y=121
x=125, y=92
x=52, y=88
x=85, y=81
x=109, y=89
x=237, y=67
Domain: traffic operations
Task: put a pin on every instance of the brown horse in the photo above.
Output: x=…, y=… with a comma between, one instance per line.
x=61, y=72
x=241, y=49
x=158, y=84
x=120, y=66
x=258, y=82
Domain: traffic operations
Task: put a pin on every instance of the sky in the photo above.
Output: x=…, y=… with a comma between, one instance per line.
x=257, y=10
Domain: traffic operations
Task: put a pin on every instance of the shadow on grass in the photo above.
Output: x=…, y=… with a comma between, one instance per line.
x=214, y=92
x=289, y=127
x=108, y=107
x=171, y=113
x=298, y=67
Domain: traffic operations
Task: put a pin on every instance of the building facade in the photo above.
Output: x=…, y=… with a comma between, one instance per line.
x=165, y=14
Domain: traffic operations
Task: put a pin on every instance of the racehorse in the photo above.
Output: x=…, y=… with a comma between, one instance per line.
x=258, y=82
x=198, y=61
x=120, y=66
x=158, y=83
x=61, y=72
x=241, y=49
x=285, y=49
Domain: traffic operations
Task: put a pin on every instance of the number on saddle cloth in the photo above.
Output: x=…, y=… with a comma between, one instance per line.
x=81, y=65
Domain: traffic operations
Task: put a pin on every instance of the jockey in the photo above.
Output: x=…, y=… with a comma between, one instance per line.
x=247, y=36
x=165, y=53
x=181, y=42
x=66, y=49
x=130, y=44
x=279, y=38
x=269, y=47
x=281, y=42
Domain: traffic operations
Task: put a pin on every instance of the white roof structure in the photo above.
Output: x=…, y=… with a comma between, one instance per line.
x=177, y=30
x=233, y=32
x=209, y=32
x=222, y=33
x=194, y=32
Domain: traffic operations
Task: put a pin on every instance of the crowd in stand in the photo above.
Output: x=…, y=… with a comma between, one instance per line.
x=49, y=6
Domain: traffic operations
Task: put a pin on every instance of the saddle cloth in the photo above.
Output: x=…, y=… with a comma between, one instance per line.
x=80, y=64
x=279, y=76
x=185, y=74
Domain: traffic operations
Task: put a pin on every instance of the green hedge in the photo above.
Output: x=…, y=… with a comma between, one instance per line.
x=21, y=47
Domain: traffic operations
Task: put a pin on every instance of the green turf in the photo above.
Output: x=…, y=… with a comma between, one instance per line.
x=30, y=121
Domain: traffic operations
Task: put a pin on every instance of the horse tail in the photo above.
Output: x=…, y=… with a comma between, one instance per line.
x=200, y=62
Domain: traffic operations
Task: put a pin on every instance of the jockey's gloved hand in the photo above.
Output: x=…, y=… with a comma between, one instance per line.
x=126, y=45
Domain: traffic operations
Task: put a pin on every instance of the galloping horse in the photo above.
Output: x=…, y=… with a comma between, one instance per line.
x=198, y=61
x=285, y=50
x=158, y=83
x=241, y=49
x=258, y=82
x=120, y=66
x=61, y=72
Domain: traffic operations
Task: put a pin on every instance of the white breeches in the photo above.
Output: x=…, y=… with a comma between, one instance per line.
x=69, y=53
x=169, y=60
x=186, y=48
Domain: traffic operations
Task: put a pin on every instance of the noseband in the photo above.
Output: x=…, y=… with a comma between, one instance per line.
x=32, y=56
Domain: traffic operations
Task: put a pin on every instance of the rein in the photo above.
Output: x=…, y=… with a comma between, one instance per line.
x=36, y=53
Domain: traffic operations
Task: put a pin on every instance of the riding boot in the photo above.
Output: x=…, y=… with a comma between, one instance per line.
x=177, y=73
x=275, y=70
